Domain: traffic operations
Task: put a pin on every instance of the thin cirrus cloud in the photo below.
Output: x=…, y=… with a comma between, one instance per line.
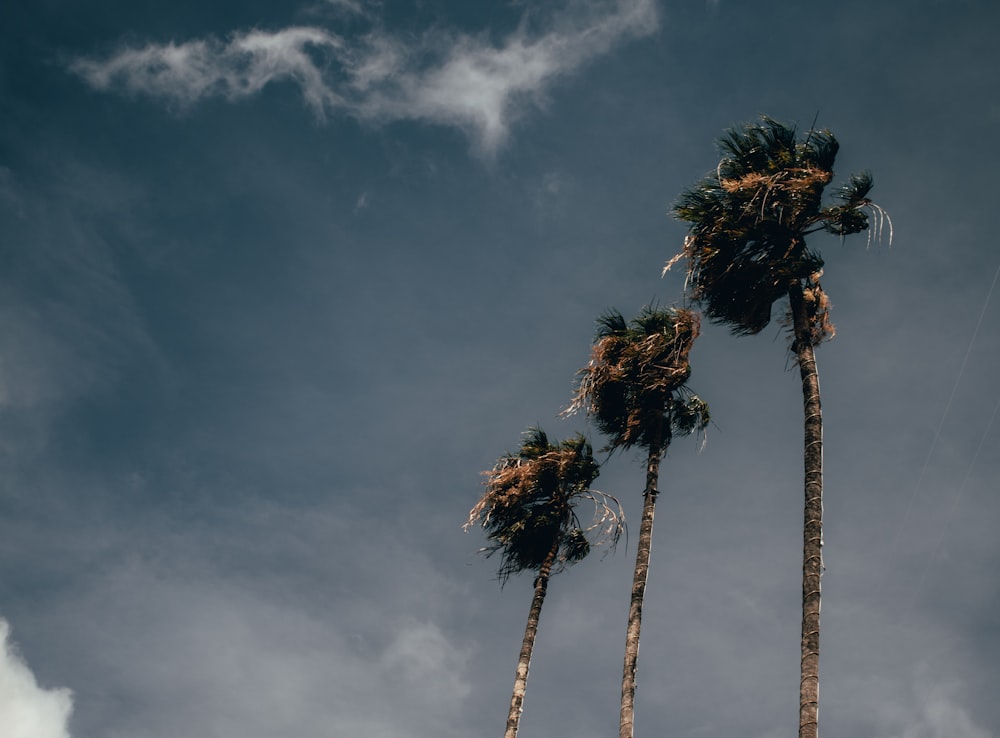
x=445, y=78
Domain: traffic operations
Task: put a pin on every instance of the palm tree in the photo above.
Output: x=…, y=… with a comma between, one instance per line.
x=746, y=249
x=635, y=390
x=528, y=513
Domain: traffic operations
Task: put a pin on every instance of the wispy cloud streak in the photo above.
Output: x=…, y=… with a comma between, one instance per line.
x=446, y=78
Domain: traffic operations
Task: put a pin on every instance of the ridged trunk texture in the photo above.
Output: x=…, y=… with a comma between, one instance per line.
x=530, y=630
x=812, y=539
x=625, y=728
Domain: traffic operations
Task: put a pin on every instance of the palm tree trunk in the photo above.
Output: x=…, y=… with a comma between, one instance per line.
x=625, y=728
x=812, y=548
x=528, y=644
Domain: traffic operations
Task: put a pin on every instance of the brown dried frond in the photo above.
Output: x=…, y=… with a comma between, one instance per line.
x=513, y=480
x=753, y=180
x=798, y=179
x=505, y=483
x=817, y=304
x=821, y=328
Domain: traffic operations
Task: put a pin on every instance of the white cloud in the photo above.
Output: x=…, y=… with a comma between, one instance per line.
x=184, y=73
x=26, y=709
x=446, y=78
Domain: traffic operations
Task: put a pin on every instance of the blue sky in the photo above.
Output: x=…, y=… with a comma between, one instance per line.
x=280, y=280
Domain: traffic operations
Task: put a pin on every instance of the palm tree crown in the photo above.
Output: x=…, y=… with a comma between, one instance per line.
x=750, y=217
x=529, y=506
x=634, y=387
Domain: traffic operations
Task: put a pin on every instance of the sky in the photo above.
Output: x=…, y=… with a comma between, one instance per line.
x=281, y=279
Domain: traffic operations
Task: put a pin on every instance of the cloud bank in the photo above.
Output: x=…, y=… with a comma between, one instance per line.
x=196, y=651
x=444, y=78
x=27, y=710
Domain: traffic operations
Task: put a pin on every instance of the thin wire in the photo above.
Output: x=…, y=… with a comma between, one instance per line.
x=944, y=415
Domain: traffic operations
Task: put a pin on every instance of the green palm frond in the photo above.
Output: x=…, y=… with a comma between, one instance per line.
x=576, y=546
x=611, y=323
x=851, y=217
x=529, y=505
x=761, y=148
x=820, y=150
x=690, y=415
x=535, y=443
x=855, y=192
